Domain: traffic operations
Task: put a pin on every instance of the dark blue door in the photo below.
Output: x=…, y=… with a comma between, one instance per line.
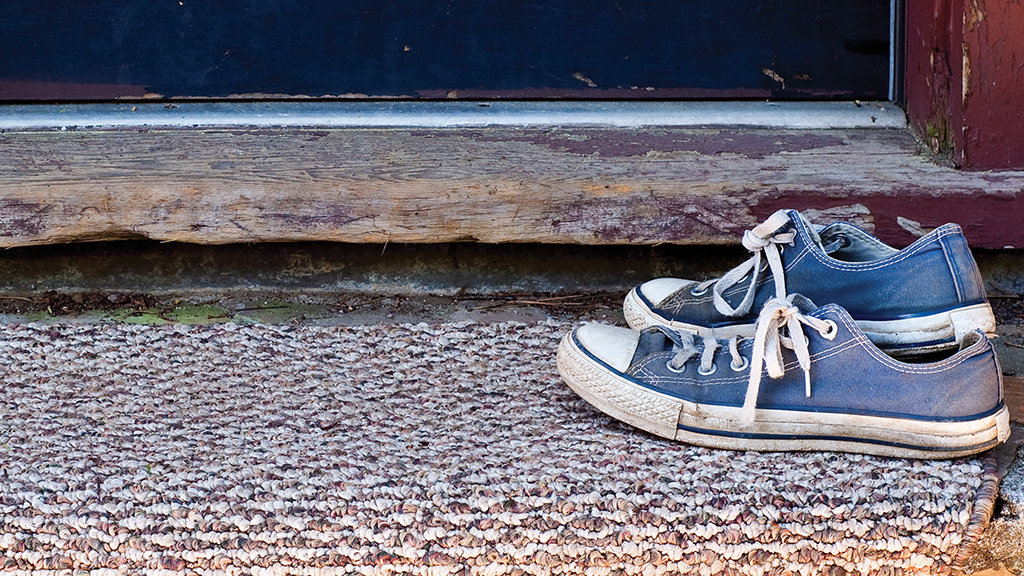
x=106, y=49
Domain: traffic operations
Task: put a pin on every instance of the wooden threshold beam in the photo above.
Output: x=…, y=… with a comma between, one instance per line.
x=502, y=184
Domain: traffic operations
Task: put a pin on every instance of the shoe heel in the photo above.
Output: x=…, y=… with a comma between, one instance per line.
x=1003, y=426
x=977, y=317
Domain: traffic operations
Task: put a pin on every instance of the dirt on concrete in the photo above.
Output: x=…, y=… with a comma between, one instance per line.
x=84, y=303
x=1007, y=309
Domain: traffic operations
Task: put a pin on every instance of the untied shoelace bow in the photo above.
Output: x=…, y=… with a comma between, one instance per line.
x=769, y=340
x=763, y=241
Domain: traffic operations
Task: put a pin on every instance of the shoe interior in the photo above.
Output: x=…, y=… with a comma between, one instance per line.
x=853, y=244
x=969, y=339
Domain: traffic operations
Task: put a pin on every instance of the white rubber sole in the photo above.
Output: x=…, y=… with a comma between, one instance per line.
x=905, y=337
x=775, y=430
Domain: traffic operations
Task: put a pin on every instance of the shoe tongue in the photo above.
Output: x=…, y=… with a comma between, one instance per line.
x=650, y=342
x=805, y=304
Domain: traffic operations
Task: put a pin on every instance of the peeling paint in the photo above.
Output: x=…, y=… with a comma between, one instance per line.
x=913, y=226
x=857, y=214
x=11, y=89
x=584, y=79
x=328, y=216
x=774, y=76
x=651, y=219
x=607, y=189
x=973, y=16
x=32, y=224
x=990, y=220
x=965, y=75
x=630, y=93
x=598, y=186
x=618, y=143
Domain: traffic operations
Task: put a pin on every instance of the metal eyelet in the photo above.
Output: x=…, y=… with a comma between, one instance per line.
x=675, y=370
x=743, y=365
x=699, y=293
x=714, y=368
x=830, y=334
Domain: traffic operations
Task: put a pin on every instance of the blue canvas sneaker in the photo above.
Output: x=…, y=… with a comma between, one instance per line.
x=807, y=380
x=923, y=298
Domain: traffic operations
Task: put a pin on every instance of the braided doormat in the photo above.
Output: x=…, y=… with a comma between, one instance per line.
x=440, y=449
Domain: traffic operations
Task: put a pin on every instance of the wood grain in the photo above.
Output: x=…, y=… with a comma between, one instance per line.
x=588, y=186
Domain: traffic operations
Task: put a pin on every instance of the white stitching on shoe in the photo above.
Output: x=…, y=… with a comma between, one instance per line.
x=859, y=339
x=767, y=352
x=918, y=246
x=952, y=269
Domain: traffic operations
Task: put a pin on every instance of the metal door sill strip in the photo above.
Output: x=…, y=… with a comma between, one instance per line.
x=455, y=114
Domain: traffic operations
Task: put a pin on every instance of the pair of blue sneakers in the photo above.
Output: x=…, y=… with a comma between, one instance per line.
x=895, y=362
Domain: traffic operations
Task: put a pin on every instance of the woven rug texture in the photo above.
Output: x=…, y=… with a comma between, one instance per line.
x=414, y=449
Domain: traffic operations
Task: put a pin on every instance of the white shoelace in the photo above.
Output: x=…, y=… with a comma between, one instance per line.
x=777, y=314
x=763, y=239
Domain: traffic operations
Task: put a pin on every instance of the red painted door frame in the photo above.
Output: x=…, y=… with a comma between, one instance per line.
x=965, y=79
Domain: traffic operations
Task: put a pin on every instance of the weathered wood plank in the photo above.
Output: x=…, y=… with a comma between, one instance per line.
x=589, y=186
x=963, y=87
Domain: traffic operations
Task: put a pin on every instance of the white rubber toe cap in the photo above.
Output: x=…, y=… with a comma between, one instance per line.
x=615, y=346
x=658, y=289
